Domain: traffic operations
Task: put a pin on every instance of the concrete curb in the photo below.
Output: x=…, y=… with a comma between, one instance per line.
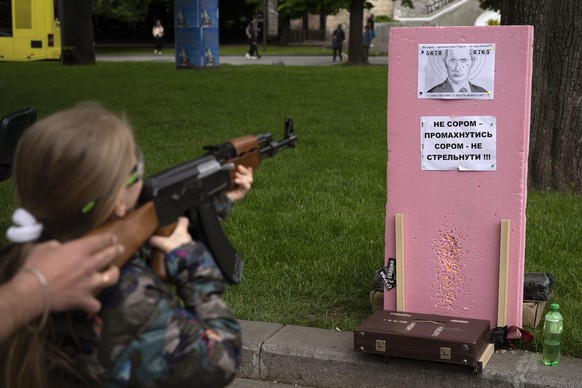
x=325, y=358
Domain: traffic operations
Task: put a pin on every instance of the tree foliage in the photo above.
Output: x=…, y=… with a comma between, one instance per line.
x=126, y=11
x=494, y=5
x=406, y=3
x=298, y=8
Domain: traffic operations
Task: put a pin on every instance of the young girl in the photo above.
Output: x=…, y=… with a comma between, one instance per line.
x=73, y=171
x=158, y=33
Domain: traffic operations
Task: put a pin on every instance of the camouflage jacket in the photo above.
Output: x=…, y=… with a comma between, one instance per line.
x=142, y=336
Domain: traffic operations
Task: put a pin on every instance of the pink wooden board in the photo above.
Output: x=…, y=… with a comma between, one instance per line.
x=452, y=219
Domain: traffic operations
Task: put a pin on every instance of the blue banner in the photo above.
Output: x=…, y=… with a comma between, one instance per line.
x=196, y=23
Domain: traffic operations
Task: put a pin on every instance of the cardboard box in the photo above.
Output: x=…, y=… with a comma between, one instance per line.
x=533, y=312
x=377, y=299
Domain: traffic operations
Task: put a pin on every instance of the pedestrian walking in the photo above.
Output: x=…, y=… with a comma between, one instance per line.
x=252, y=32
x=337, y=42
x=158, y=33
x=370, y=22
x=367, y=42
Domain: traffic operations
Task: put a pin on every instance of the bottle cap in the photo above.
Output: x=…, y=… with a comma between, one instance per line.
x=554, y=307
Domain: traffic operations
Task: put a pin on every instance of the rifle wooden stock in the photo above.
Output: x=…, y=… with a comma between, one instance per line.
x=132, y=230
x=135, y=229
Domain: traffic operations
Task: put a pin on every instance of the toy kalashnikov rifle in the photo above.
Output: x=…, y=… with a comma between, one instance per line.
x=190, y=189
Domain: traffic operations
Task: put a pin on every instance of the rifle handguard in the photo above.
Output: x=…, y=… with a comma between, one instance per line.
x=247, y=154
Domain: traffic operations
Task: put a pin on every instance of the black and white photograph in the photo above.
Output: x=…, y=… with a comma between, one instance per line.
x=456, y=71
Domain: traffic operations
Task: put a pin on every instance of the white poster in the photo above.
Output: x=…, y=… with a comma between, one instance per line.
x=462, y=143
x=456, y=71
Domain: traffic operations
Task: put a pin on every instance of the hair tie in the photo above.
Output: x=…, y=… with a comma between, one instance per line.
x=25, y=227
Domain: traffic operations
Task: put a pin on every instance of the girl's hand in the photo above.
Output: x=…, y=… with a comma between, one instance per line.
x=243, y=178
x=179, y=237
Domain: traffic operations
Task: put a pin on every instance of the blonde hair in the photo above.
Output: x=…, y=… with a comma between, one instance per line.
x=63, y=162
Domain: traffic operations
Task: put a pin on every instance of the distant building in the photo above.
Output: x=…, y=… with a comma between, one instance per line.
x=425, y=12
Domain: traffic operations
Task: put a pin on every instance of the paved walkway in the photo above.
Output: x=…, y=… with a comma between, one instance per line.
x=298, y=60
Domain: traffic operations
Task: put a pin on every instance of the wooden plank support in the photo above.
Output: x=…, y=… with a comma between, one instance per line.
x=484, y=358
x=503, y=273
x=399, y=231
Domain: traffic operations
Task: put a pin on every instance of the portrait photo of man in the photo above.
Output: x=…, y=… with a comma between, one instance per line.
x=459, y=63
x=456, y=71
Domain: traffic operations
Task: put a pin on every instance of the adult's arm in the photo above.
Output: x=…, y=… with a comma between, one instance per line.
x=74, y=273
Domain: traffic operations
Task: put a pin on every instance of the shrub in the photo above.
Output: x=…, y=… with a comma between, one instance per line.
x=383, y=19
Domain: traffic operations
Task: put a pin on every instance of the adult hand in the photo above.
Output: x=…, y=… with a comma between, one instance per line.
x=243, y=178
x=179, y=237
x=77, y=270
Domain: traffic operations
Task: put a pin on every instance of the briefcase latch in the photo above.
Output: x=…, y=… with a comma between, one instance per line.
x=445, y=353
x=380, y=345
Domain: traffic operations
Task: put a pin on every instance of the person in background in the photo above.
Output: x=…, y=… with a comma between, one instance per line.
x=58, y=277
x=367, y=42
x=370, y=22
x=337, y=42
x=252, y=32
x=158, y=33
x=73, y=171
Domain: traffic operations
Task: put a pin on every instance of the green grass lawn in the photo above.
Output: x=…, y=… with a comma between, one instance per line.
x=312, y=229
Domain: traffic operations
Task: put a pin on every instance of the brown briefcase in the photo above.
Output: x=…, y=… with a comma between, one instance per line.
x=426, y=337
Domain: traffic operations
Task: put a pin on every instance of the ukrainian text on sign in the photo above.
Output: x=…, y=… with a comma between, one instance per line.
x=464, y=143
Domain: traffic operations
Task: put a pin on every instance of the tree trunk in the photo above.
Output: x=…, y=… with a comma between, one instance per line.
x=356, y=43
x=555, y=156
x=322, y=22
x=77, y=33
x=284, y=29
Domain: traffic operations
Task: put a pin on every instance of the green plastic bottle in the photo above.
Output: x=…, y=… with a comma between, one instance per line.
x=553, y=326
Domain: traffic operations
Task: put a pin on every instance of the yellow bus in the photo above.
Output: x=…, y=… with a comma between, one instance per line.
x=29, y=30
